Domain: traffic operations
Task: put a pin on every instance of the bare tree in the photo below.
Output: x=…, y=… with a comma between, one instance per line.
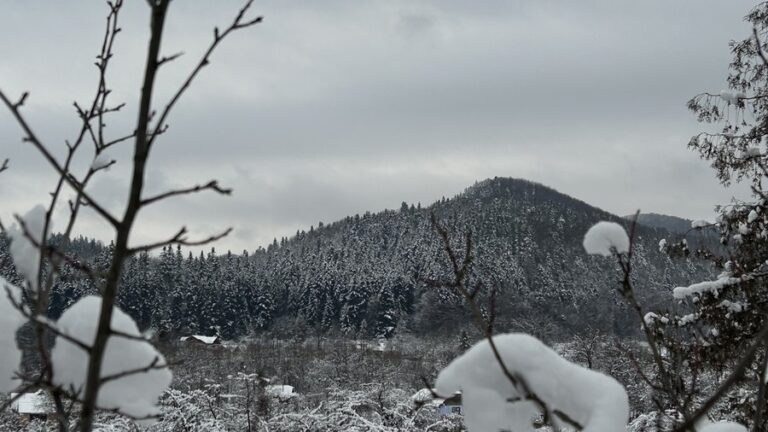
x=150, y=124
x=484, y=318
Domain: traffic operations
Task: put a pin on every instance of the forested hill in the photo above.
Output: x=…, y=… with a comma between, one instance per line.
x=363, y=275
x=672, y=224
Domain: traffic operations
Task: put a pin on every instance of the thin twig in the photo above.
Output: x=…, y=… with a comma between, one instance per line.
x=237, y=24
x=461, y=270
x=179, y=239
x=211, y=185
x=154, y=365
x=31, y=137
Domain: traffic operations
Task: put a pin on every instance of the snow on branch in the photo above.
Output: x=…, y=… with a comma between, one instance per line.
x=133, y=373
x=26, y=236
x=10, y=320
x=595, y=401
x=723, y=427
x=711, y=287
x=606, y=238
x=102, y=161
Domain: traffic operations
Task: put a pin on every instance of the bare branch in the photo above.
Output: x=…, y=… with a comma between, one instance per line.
x=211, y=185
x=180, y=239
x=237, y=24
x=154, y=365
x=32, y=138
x=736, y=374
x=38, y=319
x=459, y=284
x=169, y=58
x=124, y=335
x=118, y=140
x=51, y=252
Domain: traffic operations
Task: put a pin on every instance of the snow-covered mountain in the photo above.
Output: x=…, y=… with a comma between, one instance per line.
x=364, y=275
x=672, y=224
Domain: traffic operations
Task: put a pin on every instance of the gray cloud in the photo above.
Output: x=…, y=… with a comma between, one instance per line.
x=334, y=108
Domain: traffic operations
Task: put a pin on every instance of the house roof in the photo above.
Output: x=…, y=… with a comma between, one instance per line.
x=281, y=390
x=32, y=403
x=208, y=340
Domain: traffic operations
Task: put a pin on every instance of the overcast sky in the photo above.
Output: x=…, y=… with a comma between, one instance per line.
x=331, y=108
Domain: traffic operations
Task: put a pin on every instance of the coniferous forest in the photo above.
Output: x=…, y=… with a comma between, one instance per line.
x=368, y=275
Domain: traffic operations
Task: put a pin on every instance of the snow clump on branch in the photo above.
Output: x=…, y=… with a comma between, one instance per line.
x=606, y=237
x=25, y=253
x=134, y=394
x=712, y=287
x=723, y=427
x=101, y=161
x=10, y=320
x=596, y=401
x=700, y=223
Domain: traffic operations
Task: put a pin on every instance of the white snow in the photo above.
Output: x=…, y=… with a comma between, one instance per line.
x=700, y=223
x=598, y=402
x=686, y=319
x=731, y=306
x=134, y=394
x=102, y=160
x=743, y=228
x=750, y=152
x=10, y=320
x=650, y=318
x=605, y=237
x=730, y=97
x=723, y=427
x=280, y=390
x=752, y=216
x=208, y=340
x=712, y=287
x=662, y=245
x=33, y=403
x=25, y=254
x=422, y=396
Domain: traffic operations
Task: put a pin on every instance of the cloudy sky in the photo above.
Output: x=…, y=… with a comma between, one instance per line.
x=331, y=108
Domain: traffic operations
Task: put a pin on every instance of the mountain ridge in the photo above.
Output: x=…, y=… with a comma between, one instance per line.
x=364, y=275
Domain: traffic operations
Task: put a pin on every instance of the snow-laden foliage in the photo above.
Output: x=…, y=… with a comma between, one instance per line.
x=606, y=238
x=709, y=287
x=597, y=402
x=10, y=320
x=193, y=411
x=134, y=394
x=725, y=317
x=25, y=253
x=700, y=223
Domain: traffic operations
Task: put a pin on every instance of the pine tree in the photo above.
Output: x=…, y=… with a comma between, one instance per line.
x=727, y=316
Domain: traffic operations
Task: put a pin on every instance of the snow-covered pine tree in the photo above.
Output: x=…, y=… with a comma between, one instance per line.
x=730, y=313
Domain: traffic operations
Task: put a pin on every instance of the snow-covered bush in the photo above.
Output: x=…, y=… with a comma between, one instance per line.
x=193, y=411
